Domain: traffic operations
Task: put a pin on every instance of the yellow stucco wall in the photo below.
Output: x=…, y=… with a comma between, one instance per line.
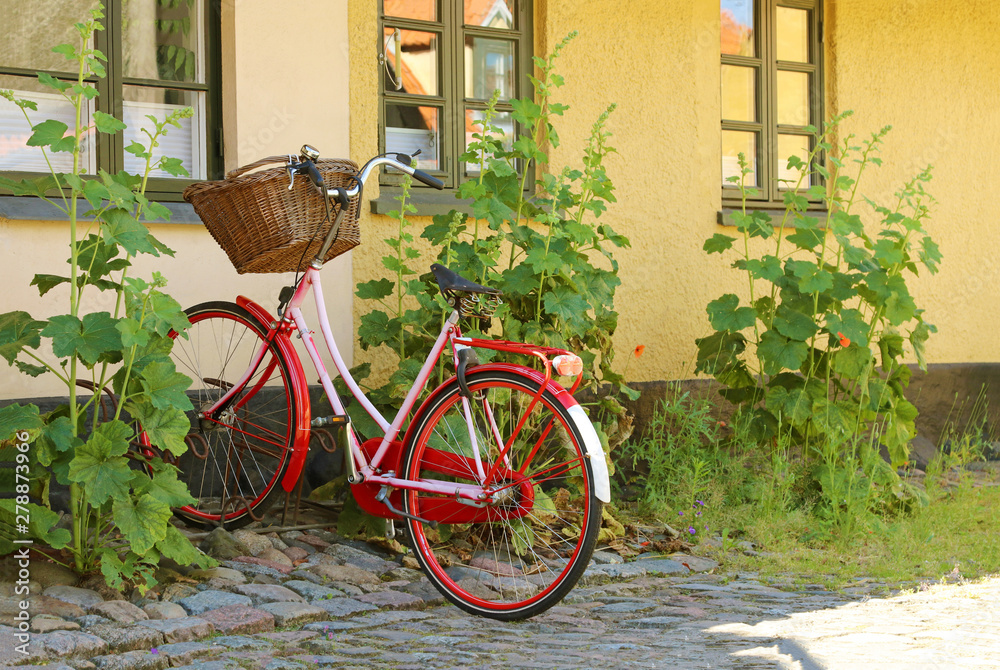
x=274, y=101
x=928, y=68
x=925, y=67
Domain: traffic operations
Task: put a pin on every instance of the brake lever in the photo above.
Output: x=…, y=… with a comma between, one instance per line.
x=290, y=167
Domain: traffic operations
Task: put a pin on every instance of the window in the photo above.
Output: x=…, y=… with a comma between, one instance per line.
x=161, y=56
x=443, y=59
x=771, y=90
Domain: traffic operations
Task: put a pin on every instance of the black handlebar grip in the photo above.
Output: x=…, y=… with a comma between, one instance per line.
x=314, y=175
x=422, y=176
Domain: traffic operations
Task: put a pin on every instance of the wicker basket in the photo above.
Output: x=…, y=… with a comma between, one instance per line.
x=264, y=227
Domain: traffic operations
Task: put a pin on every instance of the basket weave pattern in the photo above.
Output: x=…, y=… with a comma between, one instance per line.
x=264, y=227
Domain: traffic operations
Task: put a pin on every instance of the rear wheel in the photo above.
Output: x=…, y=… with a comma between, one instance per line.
x=526, y=546
x=237, y=455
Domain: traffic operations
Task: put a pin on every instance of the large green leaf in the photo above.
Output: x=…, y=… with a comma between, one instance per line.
x=41, y=522
x=779, y=353
x=853, y=362
x=164, y=486
x=794, y=405
x=17, y=331
x=541, y=261
x=375, y=289
x=374, y=329
x=850, y=323
x=142, y=521
x=107, y=124
x=766, y=267
x=98, y=259
x=519, y=280
x=719, y=351
x=726, y=314
x=56, y=438
x=178, y=548
x=836, y=419
x=121, y=228
x=812, y=278
x=794, y=325
x=164, y=314
x=718, y=243
x=165, y=387
x=46, y=283
x=15, y=418
x=166, y=428
x=567, y=305
x=899, y=307
x=88, y=339
x=99, y=464
x=47, y=133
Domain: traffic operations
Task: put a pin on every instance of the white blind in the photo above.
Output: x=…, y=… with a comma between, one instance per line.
x=185, y=143
x=14, y=133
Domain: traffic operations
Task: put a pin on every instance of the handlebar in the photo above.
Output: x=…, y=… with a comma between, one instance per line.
x=307, y=165
x=419, y=175
x=400, y=162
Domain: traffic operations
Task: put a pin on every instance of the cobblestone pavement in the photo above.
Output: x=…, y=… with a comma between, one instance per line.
x=344, y=607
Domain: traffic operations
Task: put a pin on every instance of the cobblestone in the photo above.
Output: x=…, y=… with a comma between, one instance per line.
x=661, y=611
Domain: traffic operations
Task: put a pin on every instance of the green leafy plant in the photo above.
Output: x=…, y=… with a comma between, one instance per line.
x=534, y=234
x=677, y=456
x=817, y=352
x=121, y=492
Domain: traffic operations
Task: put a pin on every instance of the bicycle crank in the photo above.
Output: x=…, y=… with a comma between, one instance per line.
x=383, y=497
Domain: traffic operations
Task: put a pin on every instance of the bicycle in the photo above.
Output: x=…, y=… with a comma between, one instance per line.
x=499, y=475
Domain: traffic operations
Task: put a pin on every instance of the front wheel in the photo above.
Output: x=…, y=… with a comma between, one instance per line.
x=519, y=552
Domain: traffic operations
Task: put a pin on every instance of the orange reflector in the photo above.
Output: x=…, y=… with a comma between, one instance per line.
x=568, y=365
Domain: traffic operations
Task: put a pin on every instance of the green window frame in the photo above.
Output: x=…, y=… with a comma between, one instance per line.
x=772, y=91
x=502, y=54
x=178, y=80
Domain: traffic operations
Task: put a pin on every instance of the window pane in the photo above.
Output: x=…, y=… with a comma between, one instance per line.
x=793, y=98
x=421, y=10
x=489, y=67
x=408, y=128
x=738, y=93
x=163, y=40
x=473, y=124
x=418, y=62
x=793, y=34
x=30, y=30
x=791, y=145
x=491, y=13
x=186, y=143
x=733, y=143
x=737, y=27
x=14, y=130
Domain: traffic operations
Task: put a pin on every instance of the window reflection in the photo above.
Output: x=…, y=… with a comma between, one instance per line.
x=421, y=10
x=418, y=60
x=489, y=67
x=737, y=27
x=490, y=13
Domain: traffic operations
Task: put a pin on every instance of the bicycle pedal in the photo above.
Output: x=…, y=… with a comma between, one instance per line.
x=333, y=420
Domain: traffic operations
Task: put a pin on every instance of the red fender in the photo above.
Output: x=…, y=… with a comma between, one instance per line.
x=300, y=393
